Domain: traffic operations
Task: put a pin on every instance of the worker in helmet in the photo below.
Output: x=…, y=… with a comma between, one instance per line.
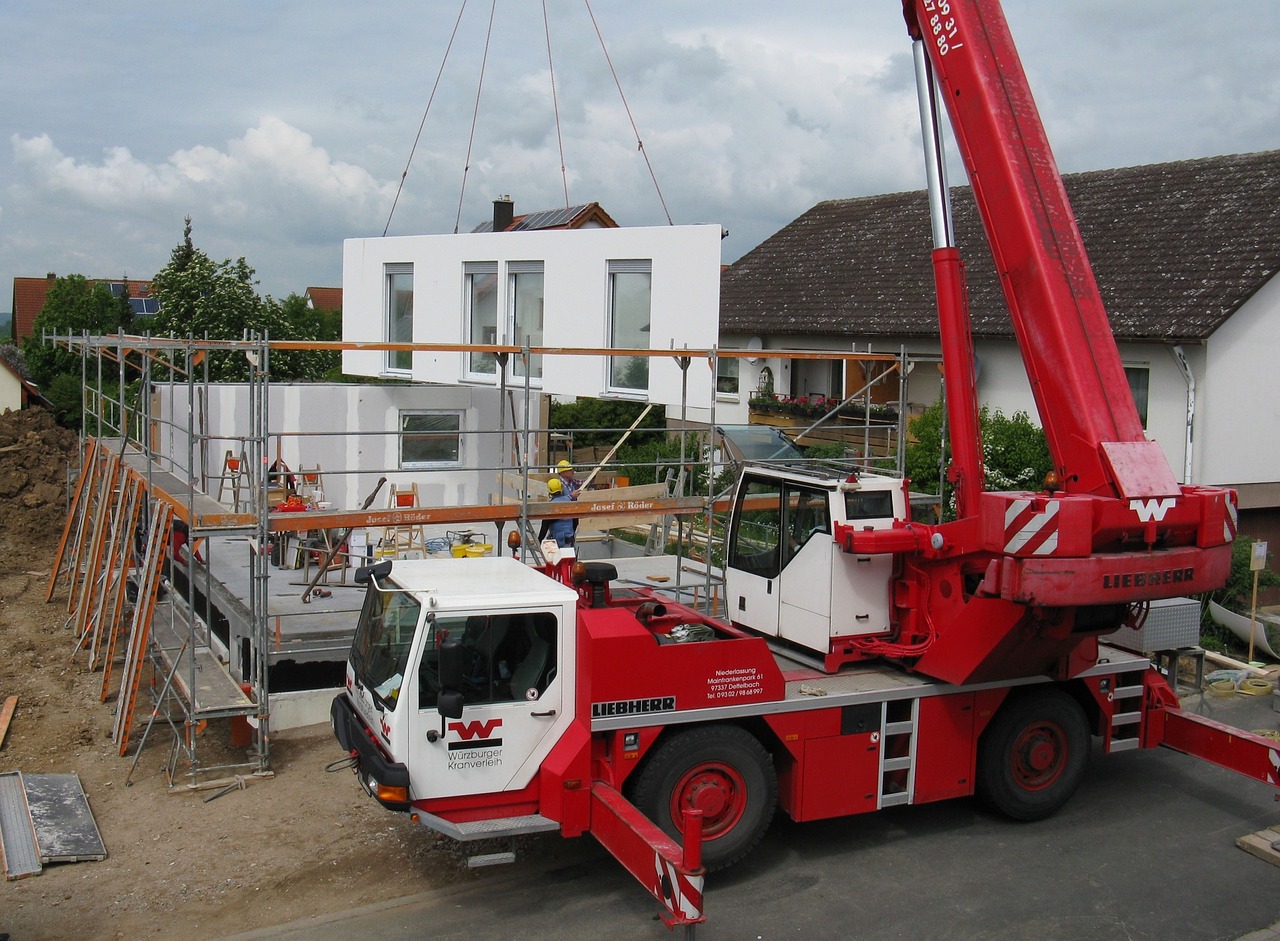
x=559, y=528
x=571, y=484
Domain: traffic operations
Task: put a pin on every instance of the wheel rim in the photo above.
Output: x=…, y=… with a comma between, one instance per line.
x=718, y=790
x=1039, y=756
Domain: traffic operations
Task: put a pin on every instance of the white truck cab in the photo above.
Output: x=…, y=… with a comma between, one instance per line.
x=784, y=574
x=506, y=632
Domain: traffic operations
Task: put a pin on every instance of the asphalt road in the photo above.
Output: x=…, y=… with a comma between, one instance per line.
x=1145, y=850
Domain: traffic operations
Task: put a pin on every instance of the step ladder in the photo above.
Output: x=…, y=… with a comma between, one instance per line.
x=1123, y=734
x=234, y=477
x=899, y=721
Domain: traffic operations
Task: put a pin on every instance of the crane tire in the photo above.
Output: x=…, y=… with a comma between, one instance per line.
x=722, y=770
x=1032, y=756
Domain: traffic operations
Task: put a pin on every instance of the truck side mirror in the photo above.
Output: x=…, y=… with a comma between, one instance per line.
x=453, y=669
x=449, y=704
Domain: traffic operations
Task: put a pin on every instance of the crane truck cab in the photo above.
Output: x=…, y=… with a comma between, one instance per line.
x=456, y=682
x=785, y=575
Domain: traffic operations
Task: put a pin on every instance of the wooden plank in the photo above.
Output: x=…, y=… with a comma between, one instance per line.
x=497, y=513
x=1265, y=844
x=6, y=716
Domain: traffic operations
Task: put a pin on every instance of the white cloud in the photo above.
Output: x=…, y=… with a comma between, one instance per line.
x=272, y=165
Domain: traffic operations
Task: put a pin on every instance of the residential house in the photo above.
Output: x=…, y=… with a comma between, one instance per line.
x=324, y=299
x=16, y=391
x=29, y=296
x=1185, y=255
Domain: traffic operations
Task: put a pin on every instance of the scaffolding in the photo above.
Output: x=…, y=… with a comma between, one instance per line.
x=166, y=505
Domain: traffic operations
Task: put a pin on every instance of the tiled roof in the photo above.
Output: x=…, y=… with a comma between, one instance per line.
x=325, y=298
x=566, y=217
x=1176, y=249
x=29, y=295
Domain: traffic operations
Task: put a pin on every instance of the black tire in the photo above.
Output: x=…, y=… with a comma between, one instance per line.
x=722, y=769
x=1032, y=756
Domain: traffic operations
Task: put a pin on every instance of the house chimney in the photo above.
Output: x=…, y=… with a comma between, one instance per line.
x=504, y=211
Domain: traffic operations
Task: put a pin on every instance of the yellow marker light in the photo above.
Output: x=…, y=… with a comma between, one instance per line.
x=386, y=792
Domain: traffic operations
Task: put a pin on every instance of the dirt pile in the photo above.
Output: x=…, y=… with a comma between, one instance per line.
x=38, y=459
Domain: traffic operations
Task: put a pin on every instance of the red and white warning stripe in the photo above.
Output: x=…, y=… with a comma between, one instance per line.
x=682, y=893
x=1231, y=522
x=1028, y=531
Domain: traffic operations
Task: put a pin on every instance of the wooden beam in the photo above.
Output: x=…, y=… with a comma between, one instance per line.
x=6, y=716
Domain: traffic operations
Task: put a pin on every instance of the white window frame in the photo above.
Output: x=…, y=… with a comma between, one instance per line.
x=471, y=271
x=396, y=362
x=515, y=364
x=408, y=414
x=729, y=367
x=1141, y=397
x=625, y=267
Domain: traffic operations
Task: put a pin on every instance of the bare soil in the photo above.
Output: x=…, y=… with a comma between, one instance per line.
x=301, y=843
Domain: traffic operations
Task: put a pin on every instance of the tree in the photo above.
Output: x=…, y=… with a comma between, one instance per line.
x=72, y=306
x=1015, y=452
x=200, y=298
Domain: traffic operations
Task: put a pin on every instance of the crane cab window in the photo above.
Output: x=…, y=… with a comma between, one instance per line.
x=511, y=656
x=868, y=505
x=773, y=520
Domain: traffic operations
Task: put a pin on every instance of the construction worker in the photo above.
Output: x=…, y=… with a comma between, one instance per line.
x=559, y=528
x=571, y=484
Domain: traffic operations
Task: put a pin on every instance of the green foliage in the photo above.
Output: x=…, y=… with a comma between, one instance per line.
x=1237, y=593
x=200, y=298
x=601, y=422
x=827, y=451
x=1014, y=450
x=65, y=394
x=72, y=306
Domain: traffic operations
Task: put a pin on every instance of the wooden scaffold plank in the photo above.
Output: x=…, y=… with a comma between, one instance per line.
x=149, y=576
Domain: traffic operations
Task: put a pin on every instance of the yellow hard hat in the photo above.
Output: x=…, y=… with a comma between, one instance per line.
x=554, y=486
x=564, y=466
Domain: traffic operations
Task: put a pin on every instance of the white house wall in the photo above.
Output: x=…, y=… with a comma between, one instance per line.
x=1240, y=410
x=1002, y=384
x=10, y=391
x=685, y=299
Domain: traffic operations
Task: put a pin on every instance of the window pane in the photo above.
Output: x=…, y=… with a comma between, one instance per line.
x=430, y=438
x=400, y=318
x=727, y=376
x=757, y=529
x=508, y=656
x=629, y=297
x=1139, y=384
x=526, y=318
x=482, y=317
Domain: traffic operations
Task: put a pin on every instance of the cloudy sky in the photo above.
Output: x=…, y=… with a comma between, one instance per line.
x=282, y=127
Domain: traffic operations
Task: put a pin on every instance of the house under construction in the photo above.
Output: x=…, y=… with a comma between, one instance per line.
x=207, y=556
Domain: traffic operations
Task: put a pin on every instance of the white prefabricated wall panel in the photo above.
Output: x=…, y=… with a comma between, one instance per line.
x=684, y=313
x=349, y=431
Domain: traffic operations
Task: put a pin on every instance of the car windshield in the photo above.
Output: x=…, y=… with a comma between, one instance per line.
x=383, y=639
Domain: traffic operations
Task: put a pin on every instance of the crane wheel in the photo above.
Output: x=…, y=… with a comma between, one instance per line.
x=721, y=770
x=1032, y=756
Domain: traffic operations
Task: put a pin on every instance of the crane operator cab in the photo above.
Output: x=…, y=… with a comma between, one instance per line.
x=785, y=577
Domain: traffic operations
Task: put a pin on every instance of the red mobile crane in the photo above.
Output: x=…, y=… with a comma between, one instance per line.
x=869, y=660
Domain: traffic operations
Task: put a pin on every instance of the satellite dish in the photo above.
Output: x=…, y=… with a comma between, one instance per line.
x=755, y=343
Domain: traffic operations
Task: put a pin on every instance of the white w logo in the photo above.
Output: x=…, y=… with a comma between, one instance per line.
x=1149, y=510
